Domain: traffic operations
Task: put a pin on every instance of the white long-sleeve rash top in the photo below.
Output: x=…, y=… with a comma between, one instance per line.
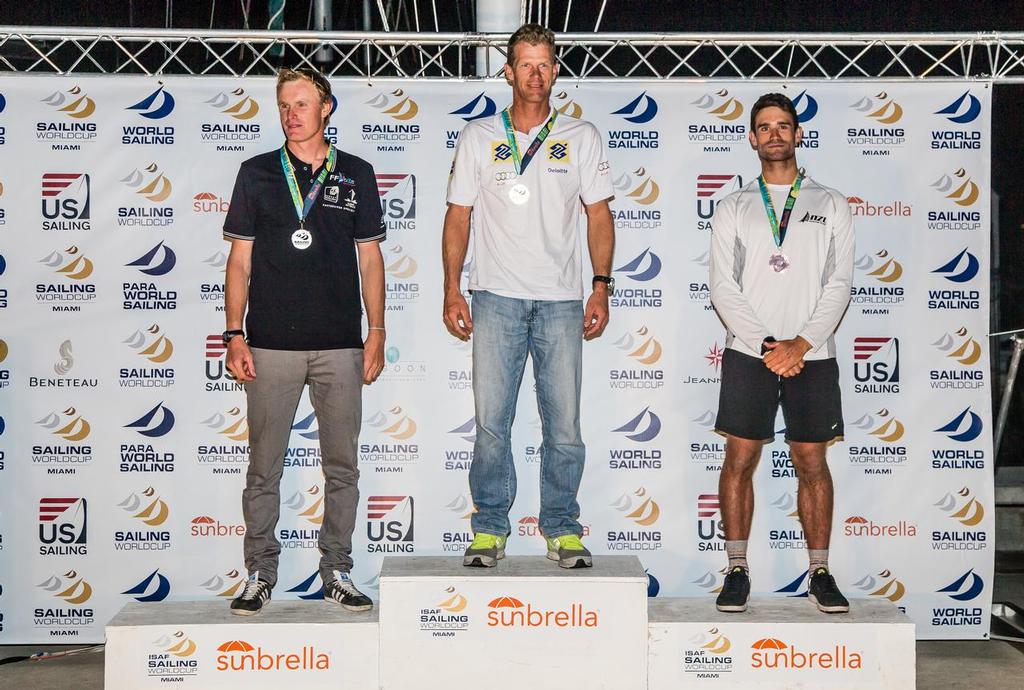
x=810, y=297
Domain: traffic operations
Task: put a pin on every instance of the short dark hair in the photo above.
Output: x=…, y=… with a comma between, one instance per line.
x=534, y=34
x=778, y=100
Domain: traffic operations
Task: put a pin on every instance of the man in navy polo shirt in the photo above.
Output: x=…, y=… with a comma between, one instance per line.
x=305, y=230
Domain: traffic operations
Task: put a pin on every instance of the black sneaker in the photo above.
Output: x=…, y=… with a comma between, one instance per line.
x=253, y=597
x=824, y=593
x=340, y=590
x=735, y=591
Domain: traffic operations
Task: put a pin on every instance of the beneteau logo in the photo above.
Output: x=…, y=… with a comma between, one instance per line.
x=239, y=655
x=509, y=612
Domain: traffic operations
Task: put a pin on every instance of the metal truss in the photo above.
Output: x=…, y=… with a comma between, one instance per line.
x=997, y=57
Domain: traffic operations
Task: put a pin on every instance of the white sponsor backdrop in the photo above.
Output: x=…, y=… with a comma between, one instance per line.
x=123, y=448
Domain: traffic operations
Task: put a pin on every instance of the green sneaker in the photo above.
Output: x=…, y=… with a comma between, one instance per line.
x=485, y=551
x=569, y=551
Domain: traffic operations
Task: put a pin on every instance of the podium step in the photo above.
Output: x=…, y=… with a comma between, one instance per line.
x=779, y=643
x=525, y=623
x=201, y=645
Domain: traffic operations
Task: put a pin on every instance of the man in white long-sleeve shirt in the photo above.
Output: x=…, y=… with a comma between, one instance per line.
x=781, y=268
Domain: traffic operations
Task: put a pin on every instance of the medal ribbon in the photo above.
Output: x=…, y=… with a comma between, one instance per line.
x=779, y=226
x=522, y=161
x=302, y=208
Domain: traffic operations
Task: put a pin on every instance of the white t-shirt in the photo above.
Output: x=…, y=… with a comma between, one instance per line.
x=530, y=250
x=807, y=299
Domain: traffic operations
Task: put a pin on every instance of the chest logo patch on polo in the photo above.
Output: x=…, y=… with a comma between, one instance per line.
x=809, y=217
x=331, y=193
x=558, y=151
x=500, y=152
x=350, y=200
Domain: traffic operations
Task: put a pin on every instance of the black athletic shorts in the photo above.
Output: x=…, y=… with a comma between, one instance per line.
x=750, y=396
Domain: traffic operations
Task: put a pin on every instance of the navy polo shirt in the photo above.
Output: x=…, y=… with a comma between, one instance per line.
x=304, y=299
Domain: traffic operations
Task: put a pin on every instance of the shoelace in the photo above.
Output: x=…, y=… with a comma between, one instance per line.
x=252, y=589
x=347, y=587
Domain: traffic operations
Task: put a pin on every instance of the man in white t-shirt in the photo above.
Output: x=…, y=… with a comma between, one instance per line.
x=781, y=269
x=521, y=176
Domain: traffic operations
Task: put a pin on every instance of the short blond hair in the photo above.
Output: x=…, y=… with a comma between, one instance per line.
x=534, y=34
x=314, y=77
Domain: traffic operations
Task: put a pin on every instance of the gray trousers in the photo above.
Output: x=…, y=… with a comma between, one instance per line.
x=335, y=379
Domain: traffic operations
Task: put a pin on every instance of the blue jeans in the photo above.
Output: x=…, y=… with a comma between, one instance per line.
x=505, y=329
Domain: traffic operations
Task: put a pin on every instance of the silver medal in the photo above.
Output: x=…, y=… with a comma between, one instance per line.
x=778, y=261
x=519, y=194
x=301, y=239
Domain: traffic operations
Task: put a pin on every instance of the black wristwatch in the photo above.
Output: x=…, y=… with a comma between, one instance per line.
x=764, y=344
x=228, y=335
x=607, y=280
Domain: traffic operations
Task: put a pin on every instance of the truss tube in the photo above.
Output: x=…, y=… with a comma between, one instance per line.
x=990, y=56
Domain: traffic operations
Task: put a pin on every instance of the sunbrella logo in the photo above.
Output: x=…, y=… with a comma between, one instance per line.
x=639, y=187
x=206, y=526
x=771, y=654
x=509, y=612
x=884, y=585
x=239, y=655
x=858, y=526
x=208, y=202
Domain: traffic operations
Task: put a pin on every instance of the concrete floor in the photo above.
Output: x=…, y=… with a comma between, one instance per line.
x=941, y=665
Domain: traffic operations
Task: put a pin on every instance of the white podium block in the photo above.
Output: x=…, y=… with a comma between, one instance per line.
x=201, y=645
x=779, y=643
x=524, y=624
